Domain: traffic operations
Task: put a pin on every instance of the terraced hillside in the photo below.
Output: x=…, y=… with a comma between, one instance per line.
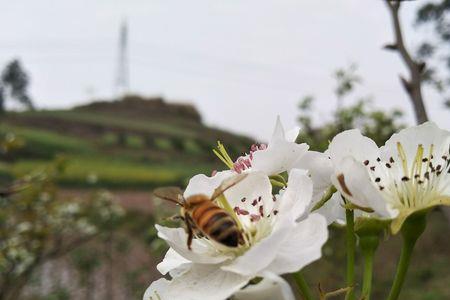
x=131, y=143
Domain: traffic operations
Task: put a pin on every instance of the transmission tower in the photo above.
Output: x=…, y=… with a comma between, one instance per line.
x=122, y=79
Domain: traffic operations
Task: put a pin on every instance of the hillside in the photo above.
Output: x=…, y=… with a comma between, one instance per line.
x=130, y=143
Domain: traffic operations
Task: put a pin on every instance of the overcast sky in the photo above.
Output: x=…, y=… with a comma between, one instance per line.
x=241, y=62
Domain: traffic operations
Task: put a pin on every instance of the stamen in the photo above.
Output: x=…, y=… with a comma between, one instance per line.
x=402, y=154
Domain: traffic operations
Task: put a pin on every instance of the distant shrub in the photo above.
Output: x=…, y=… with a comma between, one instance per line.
x=109, y=139
x=163, y=144
x=135, y=141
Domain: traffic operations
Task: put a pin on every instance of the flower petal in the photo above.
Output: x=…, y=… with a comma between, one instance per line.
x=279, y=156
x=355, y=179
x=205, y=185
x=261, y=254
x=254, y=191
x=205, y=282
x=297, y=196
x=201, y=252
x=320, y=168
x=172, y=260
x=302, y=247
x=352, y=143
x=333, y=210
x=270, y=288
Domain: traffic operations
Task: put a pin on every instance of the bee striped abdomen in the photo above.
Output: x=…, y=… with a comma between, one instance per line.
x=216, y=223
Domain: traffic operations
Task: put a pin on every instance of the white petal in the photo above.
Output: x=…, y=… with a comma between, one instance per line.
x=363, y=191
x=200, y=253
x=279, y=156
x=254, y=191
x=302, y=247
x=172, y=260
x=201, y=282
x=270, y=288
x=352, y=143
x=297, y=196
x=426, y=134
x=278, y=132
x=205, y=185
x=260, y=255
x=333, y=210
x=156, y=289
x=292, y=134
x=320, y=168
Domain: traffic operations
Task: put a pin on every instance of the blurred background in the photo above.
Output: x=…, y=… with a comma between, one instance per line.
x=102, y=101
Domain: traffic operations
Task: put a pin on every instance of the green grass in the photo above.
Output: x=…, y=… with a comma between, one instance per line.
x=46, y=144
x=96, y=172
x=151, y=126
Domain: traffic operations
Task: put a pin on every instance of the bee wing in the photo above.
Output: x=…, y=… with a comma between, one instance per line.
x=226, y=184
x=172, y=194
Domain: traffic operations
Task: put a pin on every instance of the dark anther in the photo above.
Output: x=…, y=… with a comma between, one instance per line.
x=420, y=182
x=405, y=178
x=378, y=159
x=366, y=162
x=381, y=188
x=424, y=159
x=438, y=173
x=388, y=165
x=378, y=179
x=243, y=199
x=275, y=212
x=372, y=168
x=416, y=176
x=391, y=160
x=427, y=175
x=438, y=167
x=254, y=202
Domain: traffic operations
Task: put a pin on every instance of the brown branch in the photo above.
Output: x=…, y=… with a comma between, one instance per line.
x=413, y=85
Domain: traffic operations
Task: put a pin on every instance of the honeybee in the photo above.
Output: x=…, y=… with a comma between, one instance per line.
x=202, y=214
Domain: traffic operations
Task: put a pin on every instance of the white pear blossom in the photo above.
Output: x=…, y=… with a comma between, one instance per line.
x=410, y=173
x=279, y=237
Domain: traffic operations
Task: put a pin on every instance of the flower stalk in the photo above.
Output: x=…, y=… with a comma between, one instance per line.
x=350, y=239
x=303, y=286
x=411, y=230
x=369, y=245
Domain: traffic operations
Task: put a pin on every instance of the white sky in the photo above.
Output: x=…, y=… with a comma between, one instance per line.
x=241, y=62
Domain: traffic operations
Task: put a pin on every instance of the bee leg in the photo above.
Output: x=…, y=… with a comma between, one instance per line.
x=175, y=218
x=190, y=235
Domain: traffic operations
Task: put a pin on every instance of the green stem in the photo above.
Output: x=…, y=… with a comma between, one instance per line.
x=369, y=245
x=351, y=249
x=303, y=286
x=411, y=231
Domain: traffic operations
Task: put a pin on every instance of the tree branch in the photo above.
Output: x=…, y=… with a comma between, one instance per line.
x=413, y=85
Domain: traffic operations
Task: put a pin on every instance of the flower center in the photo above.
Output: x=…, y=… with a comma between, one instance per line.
x=414, y=183
x=254, y=221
